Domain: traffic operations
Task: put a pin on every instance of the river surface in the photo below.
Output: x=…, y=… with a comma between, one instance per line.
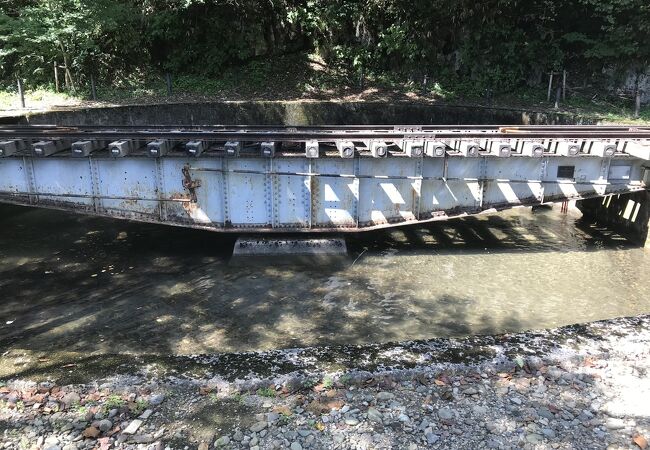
x=71, y=283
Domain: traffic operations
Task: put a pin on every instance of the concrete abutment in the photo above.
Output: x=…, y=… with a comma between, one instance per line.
x=628, y=214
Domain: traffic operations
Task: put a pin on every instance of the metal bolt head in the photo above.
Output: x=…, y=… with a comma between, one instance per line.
x=268, y=149
x=470, y=150
x=347, y=152
x=505, y=150
x=311, y=149
x=378, y=149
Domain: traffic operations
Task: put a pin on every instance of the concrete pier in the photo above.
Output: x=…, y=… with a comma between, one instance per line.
x=629, y=214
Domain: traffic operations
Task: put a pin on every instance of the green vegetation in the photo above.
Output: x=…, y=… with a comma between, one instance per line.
x=328, y=383
x=498, y=51
x=113, y=402
x=266, y=392
x=309, y=383
x=139, y=407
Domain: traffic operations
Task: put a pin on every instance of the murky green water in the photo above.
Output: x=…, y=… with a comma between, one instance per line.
x=82, y=284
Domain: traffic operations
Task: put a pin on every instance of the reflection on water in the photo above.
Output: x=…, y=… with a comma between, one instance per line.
x=87, y=284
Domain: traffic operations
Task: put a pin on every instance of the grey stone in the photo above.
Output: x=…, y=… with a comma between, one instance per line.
x=105, y=425
x=133, y=427
x=534, y=438
x=549, y=433
x=156, y=399
x=71, y=398
x=374, y=415
x=259, y=426
x=445, y=414
x=142, y=439
x=479, y=410
x=146, y=414
x=431, y=438
x=352, y=421
x=385, y=396
x=613, y=423
x=222, y=441
x=296, y=446
x=546, y=413
x=238, y=436
x=51, y=441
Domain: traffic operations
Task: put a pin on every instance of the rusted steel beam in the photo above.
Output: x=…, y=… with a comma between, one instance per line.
x=228, y=178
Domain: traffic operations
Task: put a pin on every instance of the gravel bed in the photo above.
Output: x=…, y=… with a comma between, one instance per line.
x=585, y=387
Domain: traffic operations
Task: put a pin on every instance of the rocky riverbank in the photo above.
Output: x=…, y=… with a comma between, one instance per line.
x=574, y=387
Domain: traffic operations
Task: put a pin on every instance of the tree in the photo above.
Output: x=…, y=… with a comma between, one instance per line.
x=85, y=35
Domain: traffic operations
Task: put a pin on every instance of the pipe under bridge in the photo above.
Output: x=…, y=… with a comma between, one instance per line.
x=327, y=178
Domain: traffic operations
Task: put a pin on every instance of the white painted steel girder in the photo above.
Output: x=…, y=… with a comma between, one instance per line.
x=297, y=193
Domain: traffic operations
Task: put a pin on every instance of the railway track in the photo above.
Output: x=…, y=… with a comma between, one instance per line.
x=349, y=140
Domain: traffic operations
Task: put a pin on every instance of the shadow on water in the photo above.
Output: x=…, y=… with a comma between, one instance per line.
x=84, y=284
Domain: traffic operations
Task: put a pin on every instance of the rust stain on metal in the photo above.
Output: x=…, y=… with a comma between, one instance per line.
x=189, y=207
x=190, y=184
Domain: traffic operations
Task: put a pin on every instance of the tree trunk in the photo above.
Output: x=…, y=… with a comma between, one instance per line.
x=69, y=83
x=56, y=77
x=637, y=97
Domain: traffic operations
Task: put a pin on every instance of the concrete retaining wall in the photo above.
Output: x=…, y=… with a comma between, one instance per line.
x=629, y=214
x=299, y=113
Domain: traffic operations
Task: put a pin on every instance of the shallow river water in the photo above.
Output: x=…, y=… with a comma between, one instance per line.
x=92, y=285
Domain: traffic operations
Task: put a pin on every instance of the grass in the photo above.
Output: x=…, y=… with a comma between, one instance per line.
x=80, y=410
x=113, y=402
x=309, y=383
x=140, y=406
x=328, y=383
x=266, y=392
x=306, y=76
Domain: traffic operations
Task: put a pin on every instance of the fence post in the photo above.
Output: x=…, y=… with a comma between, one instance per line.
x=93, y=91
x=21, y=93
x=168, y=78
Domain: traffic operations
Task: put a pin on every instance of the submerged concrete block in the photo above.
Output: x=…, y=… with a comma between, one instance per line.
x=299, y=246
